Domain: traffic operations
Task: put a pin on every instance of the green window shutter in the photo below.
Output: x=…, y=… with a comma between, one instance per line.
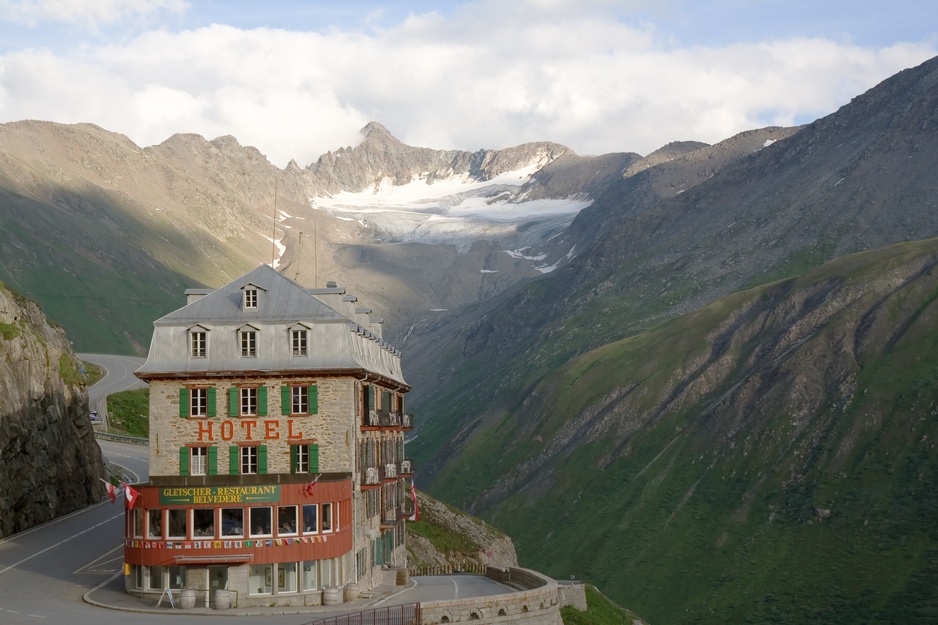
x=234, y=460
x=213, y=460
x=262, y=401
x=211, y=401
x=183, y=461
x=183, y=402
x=369, y=397
x=313, y=399
x=293, y=455
x=385, y=401
x=233, y=407
x=314, y=458
x=262, y=459
x=284, y=400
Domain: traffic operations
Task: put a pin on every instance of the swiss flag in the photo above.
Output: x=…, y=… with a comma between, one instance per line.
x=111, y=491
x=130, y=494
x=308, y=489
x=413, y=495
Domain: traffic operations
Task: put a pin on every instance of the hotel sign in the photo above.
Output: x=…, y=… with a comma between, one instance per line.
x=174, y=496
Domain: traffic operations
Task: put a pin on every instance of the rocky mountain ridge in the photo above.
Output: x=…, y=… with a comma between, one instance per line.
x=51, y=463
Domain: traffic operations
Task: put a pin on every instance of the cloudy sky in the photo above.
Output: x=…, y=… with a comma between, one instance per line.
x=296, y=78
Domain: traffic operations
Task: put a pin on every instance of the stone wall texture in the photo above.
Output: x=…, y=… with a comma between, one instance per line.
x=50, y=463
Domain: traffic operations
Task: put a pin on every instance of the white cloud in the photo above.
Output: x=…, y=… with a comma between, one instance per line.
x=488, y=75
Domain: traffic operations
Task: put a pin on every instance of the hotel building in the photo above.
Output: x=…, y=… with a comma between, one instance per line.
x=277, y=467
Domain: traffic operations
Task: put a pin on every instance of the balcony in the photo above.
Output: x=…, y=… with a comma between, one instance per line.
x=388, y=419
x=390, y=516
x=407, y=467
x=389, y=471
x=372, y=476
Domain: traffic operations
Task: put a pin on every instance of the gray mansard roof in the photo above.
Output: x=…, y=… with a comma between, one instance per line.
x=342, y=336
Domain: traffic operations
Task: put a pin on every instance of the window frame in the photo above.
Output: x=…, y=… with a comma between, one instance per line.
x=247, y=395
x=198, y=408
x=249, y=455
x=301, y=336
x=198, y=343
x=199, y=452
x=247, y=339
x=250, y=299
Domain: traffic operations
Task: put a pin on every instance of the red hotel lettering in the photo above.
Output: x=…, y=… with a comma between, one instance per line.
x=290, y=432
x=227, y=427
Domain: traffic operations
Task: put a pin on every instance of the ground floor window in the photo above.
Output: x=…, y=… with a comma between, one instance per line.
x=286, y=577
x=310, y=576
x=260, y=579
x=177, y=577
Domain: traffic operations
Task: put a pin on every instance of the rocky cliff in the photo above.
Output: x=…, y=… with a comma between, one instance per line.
x=50, y=463
x=445, y=536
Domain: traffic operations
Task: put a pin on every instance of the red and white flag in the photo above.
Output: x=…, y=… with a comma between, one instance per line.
x=111, y=491
x=308, y=489
x=413, y=495
x=130, y=495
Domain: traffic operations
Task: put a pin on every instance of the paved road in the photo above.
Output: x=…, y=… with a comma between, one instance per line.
x=119, y=376
x=46, y=571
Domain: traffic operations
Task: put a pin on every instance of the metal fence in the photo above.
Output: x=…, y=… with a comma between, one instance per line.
x=408, y=614
x=449, y=569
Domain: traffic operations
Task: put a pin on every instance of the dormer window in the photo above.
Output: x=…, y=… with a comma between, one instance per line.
x=198, y=342
x=299, y=339
x=248, y=338
x=250, y=298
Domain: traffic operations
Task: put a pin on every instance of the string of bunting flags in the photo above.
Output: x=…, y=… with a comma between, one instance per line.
x=226, y=544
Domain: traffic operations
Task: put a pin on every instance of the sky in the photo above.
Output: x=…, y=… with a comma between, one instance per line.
x=297, y=78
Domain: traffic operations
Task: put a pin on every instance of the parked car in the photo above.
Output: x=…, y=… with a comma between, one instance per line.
x=94, y=417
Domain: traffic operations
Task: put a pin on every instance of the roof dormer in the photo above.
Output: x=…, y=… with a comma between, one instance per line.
x=251, y=295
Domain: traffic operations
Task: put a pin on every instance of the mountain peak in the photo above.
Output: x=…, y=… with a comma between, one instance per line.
x=376, y=133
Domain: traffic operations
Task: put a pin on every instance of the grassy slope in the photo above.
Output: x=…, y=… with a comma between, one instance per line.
x=696, y=510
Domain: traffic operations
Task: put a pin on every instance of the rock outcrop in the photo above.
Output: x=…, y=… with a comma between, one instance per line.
x=446, y=536
x=50, y=463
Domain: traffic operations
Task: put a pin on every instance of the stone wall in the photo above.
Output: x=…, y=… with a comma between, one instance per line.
x=332, y=427
x=537, y=604
x=50, y=463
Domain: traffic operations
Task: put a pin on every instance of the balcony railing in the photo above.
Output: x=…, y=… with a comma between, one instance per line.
x=371, y=476
x=390, y=471
x=407, y=467
x=407, y=421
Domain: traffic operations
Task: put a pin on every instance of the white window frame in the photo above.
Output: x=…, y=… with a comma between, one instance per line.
x=250, y=299
x=198, y=402
x=248, y=340
x=247, y=401
x=302, y=458
x=299, y=399
x=299, y=342
x=198, y=344
x=248, y=457
x=198, y=461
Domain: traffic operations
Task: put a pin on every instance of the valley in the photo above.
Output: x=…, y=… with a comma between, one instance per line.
x=710, y=368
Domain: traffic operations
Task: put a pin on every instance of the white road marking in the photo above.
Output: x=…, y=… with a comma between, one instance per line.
x=61, y=542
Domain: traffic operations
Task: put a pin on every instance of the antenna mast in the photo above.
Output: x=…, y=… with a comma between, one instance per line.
x=273, y=232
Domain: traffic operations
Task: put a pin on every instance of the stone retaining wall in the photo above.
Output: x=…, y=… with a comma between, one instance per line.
x=538, y=604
